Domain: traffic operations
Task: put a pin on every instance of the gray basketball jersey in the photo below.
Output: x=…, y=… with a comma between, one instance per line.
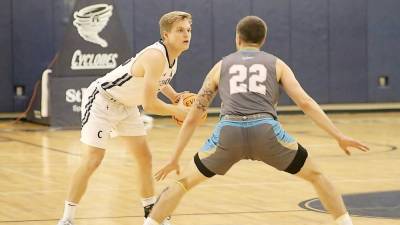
x=248, y=83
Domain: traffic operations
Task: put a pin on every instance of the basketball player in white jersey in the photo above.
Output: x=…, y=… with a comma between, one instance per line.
x=109, y=108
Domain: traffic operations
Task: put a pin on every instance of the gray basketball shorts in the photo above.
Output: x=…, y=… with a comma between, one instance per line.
x=255, y=137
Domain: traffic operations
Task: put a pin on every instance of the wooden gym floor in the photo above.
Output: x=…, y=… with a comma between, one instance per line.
x=36, y=164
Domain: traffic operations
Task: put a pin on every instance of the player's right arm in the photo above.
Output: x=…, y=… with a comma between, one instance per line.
x=153, y=63
x=311, y=108
x=203, y=100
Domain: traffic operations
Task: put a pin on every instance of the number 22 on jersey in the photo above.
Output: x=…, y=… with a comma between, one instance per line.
x=256, y=74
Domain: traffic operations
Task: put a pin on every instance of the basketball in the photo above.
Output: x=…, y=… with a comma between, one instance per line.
x=187, y=100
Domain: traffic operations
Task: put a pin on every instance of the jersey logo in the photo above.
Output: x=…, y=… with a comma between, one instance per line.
x=165, y=82
x=247, y=57
x=91, y=20
x=165, y=79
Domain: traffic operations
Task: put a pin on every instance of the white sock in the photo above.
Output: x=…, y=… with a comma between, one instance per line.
x=69, y=211
x=344, y=220
x=148, y=201
x=150, y=221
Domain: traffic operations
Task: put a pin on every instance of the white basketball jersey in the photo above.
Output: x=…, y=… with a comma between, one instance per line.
x=128, y=89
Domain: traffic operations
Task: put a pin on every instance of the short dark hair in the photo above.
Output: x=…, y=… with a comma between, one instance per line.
x=252, y=29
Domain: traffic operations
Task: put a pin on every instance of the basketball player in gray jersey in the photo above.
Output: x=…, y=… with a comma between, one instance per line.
x=248, y=82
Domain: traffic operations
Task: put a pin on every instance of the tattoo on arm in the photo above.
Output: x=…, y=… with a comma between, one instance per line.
x=206, y=94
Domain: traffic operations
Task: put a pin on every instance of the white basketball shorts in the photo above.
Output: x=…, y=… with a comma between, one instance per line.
x=103, y=118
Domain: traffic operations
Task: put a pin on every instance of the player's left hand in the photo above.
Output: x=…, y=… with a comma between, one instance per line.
x=168, y=168
x=346, y=142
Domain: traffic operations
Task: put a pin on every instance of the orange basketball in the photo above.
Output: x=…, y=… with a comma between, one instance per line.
x=187, y=100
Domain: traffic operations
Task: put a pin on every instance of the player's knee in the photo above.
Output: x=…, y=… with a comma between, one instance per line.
x=93, y=161
x=314, y=176
x=184, y=184
x=144, y=158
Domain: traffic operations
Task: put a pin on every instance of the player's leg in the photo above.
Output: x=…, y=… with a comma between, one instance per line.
x=327, y=193
x=274, y=146
x=220, y=152
x=132, y=131
x=94, y=136
x=172, y=195
x=139, y=149
x=90, y=161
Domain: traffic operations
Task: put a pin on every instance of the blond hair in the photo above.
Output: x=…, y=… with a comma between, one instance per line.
x=168, y=19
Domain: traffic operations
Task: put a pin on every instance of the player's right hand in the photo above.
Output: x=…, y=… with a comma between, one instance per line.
x=165, y=170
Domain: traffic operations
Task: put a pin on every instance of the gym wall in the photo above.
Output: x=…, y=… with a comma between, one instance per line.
x=338, y=49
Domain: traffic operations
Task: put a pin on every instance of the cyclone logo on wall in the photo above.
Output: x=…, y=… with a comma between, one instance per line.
x=91, y=20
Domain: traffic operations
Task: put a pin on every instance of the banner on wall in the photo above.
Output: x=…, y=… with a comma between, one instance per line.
x=94, y=44
x=95, y=41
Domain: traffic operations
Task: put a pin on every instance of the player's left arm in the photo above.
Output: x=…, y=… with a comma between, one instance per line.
x=203, y=100
x=294, y=90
